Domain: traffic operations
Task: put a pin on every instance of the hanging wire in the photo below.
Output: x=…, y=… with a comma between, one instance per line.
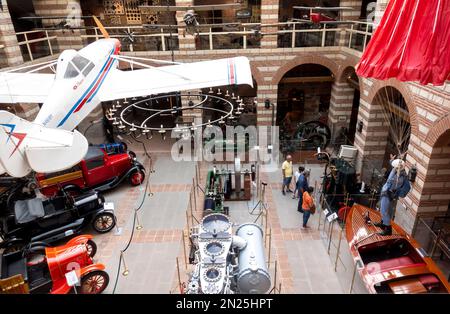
x=397, y=118
x=133, y=227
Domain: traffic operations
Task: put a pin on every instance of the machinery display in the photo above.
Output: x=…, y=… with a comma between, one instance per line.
x=38, y=268
x=226, y=185
x=306, y=136
x=227, y=261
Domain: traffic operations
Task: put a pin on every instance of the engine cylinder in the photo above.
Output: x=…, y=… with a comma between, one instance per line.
x=253, y=277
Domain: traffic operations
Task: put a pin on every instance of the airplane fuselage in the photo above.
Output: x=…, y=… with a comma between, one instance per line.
x=79, y=77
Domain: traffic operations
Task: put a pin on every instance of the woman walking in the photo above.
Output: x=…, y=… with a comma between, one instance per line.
x=308, y=206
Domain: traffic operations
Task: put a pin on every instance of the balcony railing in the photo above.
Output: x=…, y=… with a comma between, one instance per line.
x=36, y=44
x=355, y=35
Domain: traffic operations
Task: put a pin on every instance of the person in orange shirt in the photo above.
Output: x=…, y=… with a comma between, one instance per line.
x=307, y=205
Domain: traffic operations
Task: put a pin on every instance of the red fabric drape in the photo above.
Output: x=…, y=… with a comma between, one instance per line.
x=412, y=43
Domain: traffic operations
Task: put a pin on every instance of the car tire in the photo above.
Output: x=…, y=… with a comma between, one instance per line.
x=104, y=222
x=94, y=282
x=91, y=248
x=137, y=177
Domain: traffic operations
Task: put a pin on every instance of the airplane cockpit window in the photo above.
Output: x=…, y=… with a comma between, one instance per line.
x=88, y=68
x=80, y=62
x=71, y=71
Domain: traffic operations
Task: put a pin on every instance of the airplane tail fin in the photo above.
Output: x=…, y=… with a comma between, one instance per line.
x=27, y=146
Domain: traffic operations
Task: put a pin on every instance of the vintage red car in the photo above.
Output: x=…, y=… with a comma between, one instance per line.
x=98, y=171
x=41, y=269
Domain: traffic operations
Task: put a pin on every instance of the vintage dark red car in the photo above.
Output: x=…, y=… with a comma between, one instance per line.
x=41, y=269
x=98, y=171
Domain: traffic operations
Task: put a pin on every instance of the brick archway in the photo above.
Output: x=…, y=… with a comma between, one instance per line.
x=439, y=129
x=344, y=70
x=256, y=74
x=407, y=96
x=305, y=59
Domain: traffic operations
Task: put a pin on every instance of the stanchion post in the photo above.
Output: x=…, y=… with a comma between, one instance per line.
x=195, y=197
x=338, y=249
x=184, y=249
x=191, y=212
x=179, y=277
x=270, y=247
x=331, y=234
x=353, y=280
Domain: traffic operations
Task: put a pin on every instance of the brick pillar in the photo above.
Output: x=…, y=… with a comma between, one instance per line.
x=269, y=15
x=371, y=142
x=10, y=55
x=185, y=40
x=264, y=116
x=67, y=39
x=342, y=36
x=341, y=104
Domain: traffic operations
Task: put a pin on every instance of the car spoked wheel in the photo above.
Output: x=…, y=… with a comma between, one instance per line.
x=137, y=177
x=104, y=222
x=91, y=248
x=94, y=282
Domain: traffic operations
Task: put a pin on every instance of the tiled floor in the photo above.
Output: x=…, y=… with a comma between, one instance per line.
x=304, y=265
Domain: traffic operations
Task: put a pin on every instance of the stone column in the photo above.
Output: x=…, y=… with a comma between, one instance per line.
x=269, y=15
x=66, y=39
x=10, y=54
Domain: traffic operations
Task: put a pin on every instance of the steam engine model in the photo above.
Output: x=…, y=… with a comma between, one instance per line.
x=225, y=185
x=227, y=263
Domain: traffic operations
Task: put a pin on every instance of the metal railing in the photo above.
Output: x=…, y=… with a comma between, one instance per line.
x=143, y=39
x=38, y=43
x=432, y=231
x=360, y=35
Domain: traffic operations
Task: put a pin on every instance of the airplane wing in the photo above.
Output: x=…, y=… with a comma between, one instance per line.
x=125, y=84
x=25, y=87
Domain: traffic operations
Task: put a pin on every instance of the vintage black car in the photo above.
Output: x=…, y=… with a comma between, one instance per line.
x=53, y=219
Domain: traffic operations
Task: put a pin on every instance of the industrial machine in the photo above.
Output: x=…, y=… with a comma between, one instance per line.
x=226, y=185
x=227, y=262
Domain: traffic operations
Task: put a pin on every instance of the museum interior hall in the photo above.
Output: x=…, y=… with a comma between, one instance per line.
x=224, y=146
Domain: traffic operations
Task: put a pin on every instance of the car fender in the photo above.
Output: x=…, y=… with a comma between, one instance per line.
x=93, y=267
x=60, y=286
x=81, y=239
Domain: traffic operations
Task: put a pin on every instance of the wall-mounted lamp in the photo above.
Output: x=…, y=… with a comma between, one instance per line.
x=360, y=126
x=267, y=103
x=412, y=174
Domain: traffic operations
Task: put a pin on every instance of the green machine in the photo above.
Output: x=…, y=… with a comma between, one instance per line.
x=214, y=193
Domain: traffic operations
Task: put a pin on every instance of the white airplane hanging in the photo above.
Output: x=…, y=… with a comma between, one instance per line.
x=82, y=80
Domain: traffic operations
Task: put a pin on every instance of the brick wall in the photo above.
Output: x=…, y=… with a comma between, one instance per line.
x=9, y=55
x=66, y=39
